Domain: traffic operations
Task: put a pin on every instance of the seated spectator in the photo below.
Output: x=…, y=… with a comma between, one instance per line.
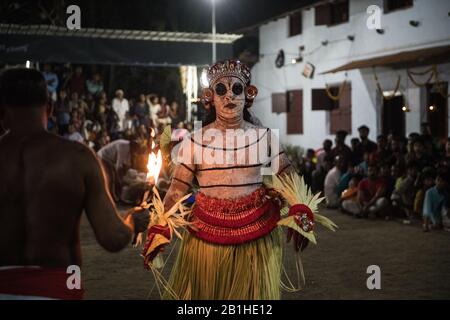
x=405, y=190
x=397, y=156
x=102, y=140
x=52, y=81
x=73, y=134
x=62, y=110
x=341, y=149
x=435, y=200
x=121, y=107
x=364, y=166
x=322, y=153
x=308, y=166
x=163, y=115
x=357, y=152
x=427, y=181
x=366, y=145
x=117, y=157
x=174, y=113
x=318, y=175
x=140, y=112
x=418, y=154
x=382, y=154
x=349, y=197
x=76, y=120
x=154, y=109
x=346, y=177
x=95, y=85
x=331, y=183
x=133, y=188
x=76, y=82
x=371, y=194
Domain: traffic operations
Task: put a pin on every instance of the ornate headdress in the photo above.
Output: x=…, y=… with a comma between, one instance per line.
x=229, y=68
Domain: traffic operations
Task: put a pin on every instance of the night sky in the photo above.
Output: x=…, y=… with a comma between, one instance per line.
x=168, y=15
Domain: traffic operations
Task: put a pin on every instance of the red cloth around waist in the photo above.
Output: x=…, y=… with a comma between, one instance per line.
x=39, y=282
x=234, y=221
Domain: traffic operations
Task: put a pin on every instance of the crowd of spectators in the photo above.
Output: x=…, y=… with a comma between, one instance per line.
x=82, y=110
x=120, y=129
x=401, y=178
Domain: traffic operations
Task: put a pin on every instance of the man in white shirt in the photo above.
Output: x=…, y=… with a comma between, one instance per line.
x=332, y=181
x=121, y=107
x=155, y=108
x=116, y=160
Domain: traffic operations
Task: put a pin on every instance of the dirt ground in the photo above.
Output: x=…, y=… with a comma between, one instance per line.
x=414, y=265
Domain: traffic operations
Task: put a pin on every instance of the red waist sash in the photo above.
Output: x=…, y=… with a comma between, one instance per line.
x=234, y=221
x=38, y=282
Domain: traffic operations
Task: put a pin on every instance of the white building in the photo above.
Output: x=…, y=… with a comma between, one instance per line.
x=414, y=36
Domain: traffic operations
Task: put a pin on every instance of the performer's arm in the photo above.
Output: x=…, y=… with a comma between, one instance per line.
x=183, y=175
x=280, y=163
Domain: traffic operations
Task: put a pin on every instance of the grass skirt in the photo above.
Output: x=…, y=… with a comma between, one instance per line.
x=249, y=271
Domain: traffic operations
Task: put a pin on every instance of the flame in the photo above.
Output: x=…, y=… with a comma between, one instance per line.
x=154, y=165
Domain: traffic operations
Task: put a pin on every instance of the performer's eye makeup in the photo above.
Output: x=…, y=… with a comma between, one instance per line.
x=237, y=88
x=220, y=89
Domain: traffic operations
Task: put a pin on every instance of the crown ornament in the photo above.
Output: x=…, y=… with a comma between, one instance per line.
x=229, y=68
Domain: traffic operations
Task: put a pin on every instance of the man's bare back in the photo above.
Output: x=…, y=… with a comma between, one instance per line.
x=46, y=182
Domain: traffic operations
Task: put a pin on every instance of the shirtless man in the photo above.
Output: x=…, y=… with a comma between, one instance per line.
x=45, y=184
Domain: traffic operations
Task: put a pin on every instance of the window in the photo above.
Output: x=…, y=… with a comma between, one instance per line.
x=321, y=101
x=295, y=114
x=332, y=13
x=392, y=5
x=295, y=24
x=279, y=102
x=341, y=117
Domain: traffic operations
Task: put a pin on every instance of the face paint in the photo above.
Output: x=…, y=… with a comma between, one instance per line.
x=229, y=98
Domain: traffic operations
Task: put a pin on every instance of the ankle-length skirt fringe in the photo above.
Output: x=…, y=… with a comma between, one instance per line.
x=249, y=271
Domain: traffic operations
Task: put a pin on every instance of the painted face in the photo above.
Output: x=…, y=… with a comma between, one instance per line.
x=229, y=97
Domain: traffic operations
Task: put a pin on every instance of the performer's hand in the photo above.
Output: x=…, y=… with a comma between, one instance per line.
x=150, y=255
x=300, y=242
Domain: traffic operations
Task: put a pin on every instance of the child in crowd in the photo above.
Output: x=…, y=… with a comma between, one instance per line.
x=435, y=202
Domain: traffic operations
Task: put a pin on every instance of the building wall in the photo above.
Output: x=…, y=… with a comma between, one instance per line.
x=434, y=30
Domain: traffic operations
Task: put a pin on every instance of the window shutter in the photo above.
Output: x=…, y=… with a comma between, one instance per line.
x=341, y=118
x=279, y=102
x=295, y=24
x=295, y=114
x=323, y=14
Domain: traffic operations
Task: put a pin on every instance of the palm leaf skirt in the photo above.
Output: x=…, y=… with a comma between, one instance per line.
x=249, y=271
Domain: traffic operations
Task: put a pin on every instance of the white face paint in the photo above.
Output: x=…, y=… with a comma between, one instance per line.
x=229, y=98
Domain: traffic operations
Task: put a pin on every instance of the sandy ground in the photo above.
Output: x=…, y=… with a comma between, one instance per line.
x=414, y=265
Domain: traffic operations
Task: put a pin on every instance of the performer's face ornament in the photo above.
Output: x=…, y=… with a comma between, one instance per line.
x=229, y=97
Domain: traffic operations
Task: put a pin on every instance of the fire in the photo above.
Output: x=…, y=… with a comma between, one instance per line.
x=154, y=165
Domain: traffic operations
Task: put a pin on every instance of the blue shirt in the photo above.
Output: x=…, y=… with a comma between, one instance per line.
x=52, y=81
x=433, y=204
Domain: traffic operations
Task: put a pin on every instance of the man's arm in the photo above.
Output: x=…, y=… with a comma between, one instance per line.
x=111, y=232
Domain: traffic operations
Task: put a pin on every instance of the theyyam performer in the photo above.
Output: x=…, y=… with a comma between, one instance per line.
x=232, y=244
